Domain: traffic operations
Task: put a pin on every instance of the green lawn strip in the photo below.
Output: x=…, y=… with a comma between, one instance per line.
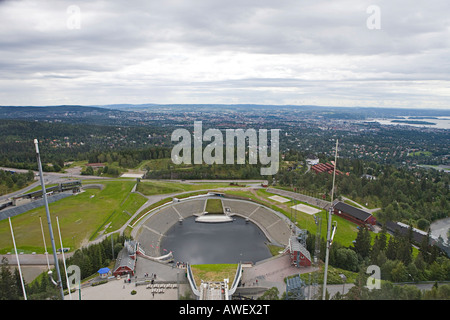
x=80, y=217
x=74, y=224
x=128, y=208
x=161, y=164
x=114, y=196
x=346, y=230
x=345, y=233
x=333, y=276
x=149, y=188
x=214, y=206
x=274, y=250
x=213, y=272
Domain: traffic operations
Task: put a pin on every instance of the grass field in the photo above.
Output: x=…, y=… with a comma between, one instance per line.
x=214, y=206
x=345, y=233
x=164, y=187
x=213, y=272
x=420, y=153
x=87, y=215
x=81, y=217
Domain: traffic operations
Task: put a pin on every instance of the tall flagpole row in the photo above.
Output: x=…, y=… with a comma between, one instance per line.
x=50, y=229
x=64, y=258
x=17, y=258
x=45, y=245
x=329, y=239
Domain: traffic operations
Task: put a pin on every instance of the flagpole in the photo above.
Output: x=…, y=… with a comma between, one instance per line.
x=45, y=245
x=329, y=239
x=17, y=258
x=50, y=229
x=64, y=259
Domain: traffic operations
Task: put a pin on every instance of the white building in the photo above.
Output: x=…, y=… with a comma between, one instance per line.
x=312, y=160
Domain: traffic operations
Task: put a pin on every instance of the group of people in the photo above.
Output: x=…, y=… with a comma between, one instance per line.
x=181, y=265
x=152, y=276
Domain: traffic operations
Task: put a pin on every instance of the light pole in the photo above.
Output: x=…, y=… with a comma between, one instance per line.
x=344, y=278
x=329, y=237
x=44, y=196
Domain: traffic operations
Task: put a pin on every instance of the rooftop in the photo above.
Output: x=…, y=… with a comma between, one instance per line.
x=353, y=211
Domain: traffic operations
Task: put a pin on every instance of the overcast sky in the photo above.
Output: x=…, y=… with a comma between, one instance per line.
x=333, y=52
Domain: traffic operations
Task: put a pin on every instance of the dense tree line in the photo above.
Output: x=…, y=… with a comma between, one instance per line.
x=90, y=259
x=390, y=291
x=394, y=256
x=63, y=142
x=203, y=171
x=10, y=286
x=11, y=181
x=414, y=196
x=130, y=158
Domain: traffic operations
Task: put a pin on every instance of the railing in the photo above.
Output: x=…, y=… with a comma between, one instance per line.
x=237, y=278
x=192, y=281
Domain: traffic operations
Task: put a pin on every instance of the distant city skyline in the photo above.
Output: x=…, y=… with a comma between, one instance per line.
x=342, y=53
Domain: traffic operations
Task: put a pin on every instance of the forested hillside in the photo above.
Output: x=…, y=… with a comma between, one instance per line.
x=62, y=142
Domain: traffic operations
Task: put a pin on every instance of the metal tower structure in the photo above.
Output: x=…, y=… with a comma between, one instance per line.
x=301, y=236
x=295, y=289
x=329, y=235
x=50, y=229
x=315, y=281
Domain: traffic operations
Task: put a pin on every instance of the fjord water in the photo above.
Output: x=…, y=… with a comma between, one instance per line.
x=211, y=243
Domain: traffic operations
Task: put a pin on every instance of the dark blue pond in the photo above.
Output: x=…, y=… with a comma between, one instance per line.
x=209, y=243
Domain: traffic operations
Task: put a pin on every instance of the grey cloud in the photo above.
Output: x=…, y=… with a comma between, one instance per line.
x=155, y=38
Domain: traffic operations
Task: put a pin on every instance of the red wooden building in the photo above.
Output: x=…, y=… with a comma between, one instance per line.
x=126, y=260
x=300, y=256
x=325, y=167
x=353, y=214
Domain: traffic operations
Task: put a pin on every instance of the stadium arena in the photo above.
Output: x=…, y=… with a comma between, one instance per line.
x=152, y=229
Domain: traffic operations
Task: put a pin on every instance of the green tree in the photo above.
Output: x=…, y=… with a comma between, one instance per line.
x=362, y=242
x=423, y=224
x=8, y=285
x=438, y=293
x=88, y=172
x=346, y=259
x=270, y=294
x=391, y=250
x=399, y=273
x=9, y=182
x=404, y=250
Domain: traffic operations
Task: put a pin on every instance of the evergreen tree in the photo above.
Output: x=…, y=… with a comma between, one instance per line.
x=18, y=284
x=391, y=250
x=8, y=287
x=362, y=242
x=270, y=294
x=375, y=250
x=404, y=250
x=382, y=240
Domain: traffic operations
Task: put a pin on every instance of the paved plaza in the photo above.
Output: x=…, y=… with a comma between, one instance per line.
x=168, y=284
x=271, y=273
x=119, y=290
x=279, y=199
x=306, y=209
